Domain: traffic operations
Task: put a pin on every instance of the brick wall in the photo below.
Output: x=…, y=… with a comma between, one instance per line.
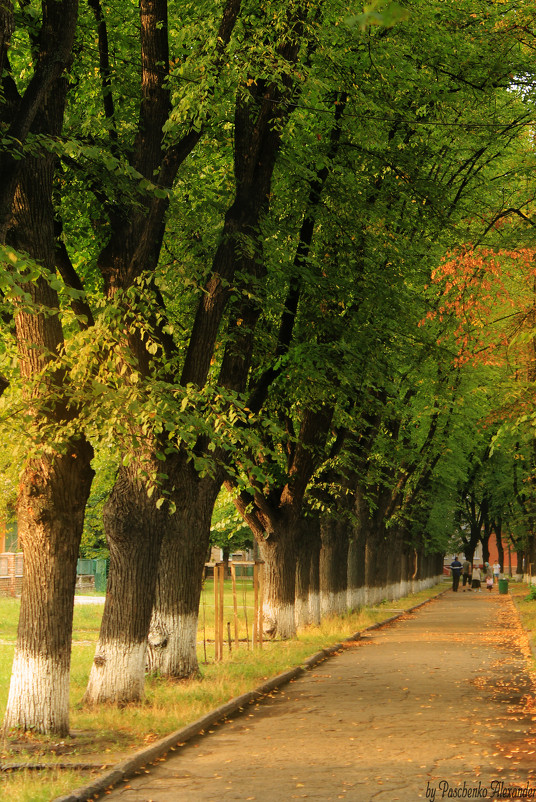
x=11, y=567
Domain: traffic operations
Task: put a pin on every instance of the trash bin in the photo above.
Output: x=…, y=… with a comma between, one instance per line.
x=503, y=586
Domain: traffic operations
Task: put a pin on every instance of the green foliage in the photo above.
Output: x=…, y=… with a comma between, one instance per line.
x=228, y=530
x=105, y=464
x=430, y=141
x=531, y=596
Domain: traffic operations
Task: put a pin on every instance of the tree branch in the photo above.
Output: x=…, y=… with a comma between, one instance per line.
x=105, y=71
x=57, y=37
x=71, y=279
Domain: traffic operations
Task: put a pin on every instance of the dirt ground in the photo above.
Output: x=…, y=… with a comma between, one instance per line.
x=438, y=705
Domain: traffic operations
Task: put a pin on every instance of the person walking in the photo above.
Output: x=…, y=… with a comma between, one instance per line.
x=456, y=569
x=466, y=574
x=489, y=576
x=476, y=579
x=496, y=572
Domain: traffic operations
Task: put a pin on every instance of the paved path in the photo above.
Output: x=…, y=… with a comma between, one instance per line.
x=89, y=599
x=437, y=702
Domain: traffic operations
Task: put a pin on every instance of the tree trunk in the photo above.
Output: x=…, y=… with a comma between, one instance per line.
x=376, y=549
x=134, y=527
x=485, y=544
x=520, y=563
x=333, y=566
x=279, y=554
x=498, y=540
x=357, y=552
x=173, y=631
x=356, y=571
x=53, y=494
x=55, y=484
x=307, y=574
x=404, y=568
x=314, y=582
x=530, y=558
x=374, y=567
x=394, y=562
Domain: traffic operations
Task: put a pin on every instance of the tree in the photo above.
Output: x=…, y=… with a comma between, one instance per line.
x=407, y=189
x=359, y=154
x=183, y=479
x=57, y=474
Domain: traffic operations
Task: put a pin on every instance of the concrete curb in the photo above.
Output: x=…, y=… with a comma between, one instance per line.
x=127, y=768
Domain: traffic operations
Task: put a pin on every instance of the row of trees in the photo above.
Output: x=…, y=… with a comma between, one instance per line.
x=219, y=226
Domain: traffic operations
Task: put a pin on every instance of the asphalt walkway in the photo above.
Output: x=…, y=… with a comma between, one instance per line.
x=438, y=705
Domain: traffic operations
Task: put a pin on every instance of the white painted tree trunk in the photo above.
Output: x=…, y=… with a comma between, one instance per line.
x=173, y=631
x=173, y=646
x=303, y=612
x=38, y=694
x=279, y=555
x=279, y=620
x=307, y=573
x=117, y=674
x=356, y=597
x=134, y=529
x=314, y=607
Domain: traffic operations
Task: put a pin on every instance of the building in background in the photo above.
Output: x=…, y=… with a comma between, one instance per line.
x=8, y=535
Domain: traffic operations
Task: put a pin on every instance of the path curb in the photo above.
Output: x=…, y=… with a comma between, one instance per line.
x=128, y=768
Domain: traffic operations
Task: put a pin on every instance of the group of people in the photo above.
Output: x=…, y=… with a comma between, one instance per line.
x=474, y=575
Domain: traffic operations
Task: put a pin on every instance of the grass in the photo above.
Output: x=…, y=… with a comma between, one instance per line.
x=525, y=600
x=109, y=734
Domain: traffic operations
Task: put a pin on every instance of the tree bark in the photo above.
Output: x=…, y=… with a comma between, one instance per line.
x=57, y=477
x=53, y=493
x=307, y=573
x=259, y=119
x=23, y=113
x=498, y=540
x=279, y=554
x=357, y=552
x=134, y=528
x=173, y=630
x=520, y=555
x=54, y=488
x=134, y=525
x=375, y=552
x=333, y=566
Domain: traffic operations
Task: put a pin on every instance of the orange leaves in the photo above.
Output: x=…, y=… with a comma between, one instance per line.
x=489, y=296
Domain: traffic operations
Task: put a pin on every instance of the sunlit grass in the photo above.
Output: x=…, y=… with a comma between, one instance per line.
x=107, y=734
x=9, y=618
x=31, y=786
x=523, y=595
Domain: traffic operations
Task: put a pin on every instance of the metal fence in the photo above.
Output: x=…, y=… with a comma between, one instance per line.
x=90, y=573
x=96, y=570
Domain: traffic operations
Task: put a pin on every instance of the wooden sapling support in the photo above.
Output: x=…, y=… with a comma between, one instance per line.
x=235, y=604
x=258, y=596
x=219, y=572
x=219, y=609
